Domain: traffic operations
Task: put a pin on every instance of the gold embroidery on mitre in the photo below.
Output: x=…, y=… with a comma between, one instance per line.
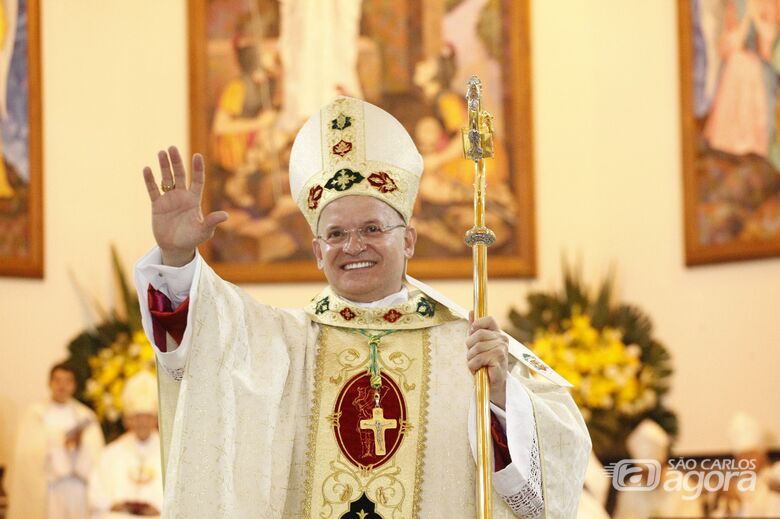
x=335, y=476
x=345, y=168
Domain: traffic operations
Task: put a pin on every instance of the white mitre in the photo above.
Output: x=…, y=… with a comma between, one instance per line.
x=648, y=442
x=351, y=147
x=746, y=434
x=140, y=394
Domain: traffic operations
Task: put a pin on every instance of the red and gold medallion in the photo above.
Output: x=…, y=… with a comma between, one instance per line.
x=369, y=435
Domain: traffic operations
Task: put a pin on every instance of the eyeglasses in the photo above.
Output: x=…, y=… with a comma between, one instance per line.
x=368, y=233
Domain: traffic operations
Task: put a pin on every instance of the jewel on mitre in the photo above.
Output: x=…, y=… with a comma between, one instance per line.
x=315, y=193
x=382, y=181
x=342, y=147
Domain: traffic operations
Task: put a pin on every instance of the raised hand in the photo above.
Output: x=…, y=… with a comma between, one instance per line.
x=177, y=220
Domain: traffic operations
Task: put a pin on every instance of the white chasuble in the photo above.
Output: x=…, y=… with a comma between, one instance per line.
x=337, y=411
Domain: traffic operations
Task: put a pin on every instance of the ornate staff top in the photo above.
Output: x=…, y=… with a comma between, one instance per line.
x=478, y=137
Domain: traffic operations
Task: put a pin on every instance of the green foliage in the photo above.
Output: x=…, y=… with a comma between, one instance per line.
x=127, y=293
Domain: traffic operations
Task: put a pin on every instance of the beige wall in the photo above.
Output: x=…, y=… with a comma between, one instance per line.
x=608, y=189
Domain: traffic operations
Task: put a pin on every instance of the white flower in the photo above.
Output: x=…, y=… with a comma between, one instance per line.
x=112, y=414
x=92, y=386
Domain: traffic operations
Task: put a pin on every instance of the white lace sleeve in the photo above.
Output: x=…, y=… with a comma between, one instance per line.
x=529, y=501
x=520, y=483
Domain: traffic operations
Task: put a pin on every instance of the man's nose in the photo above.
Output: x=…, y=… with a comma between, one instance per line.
x=354, y=243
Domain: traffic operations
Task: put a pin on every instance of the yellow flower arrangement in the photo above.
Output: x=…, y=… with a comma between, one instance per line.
x=111, y=367
x=606, y=373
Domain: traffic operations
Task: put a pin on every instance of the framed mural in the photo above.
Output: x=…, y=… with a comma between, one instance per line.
x=729, y=66
x=260, y=68
x=21, y=174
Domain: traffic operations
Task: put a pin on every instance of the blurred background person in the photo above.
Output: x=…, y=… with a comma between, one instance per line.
x=127, y=480
x=57, y=444
x=749, y=445
x=650, y=442
x=595, y=492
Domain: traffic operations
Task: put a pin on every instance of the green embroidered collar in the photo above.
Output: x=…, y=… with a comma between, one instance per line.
x=419, y=311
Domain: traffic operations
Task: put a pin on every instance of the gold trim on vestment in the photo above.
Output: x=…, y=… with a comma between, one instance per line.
x=311, y=452
x=418, y=476
x=332, y=481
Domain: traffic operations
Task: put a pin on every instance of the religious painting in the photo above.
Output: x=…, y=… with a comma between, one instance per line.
x=260, y=68
x=21, y=207
x=729, y=66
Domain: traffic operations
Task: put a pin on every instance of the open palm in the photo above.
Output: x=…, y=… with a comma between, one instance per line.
x=177, y=220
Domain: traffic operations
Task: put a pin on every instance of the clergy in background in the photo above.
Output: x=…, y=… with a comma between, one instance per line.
x=649, y=442
x=361, y=404
x=748, y=440
x=594, y=495
x=56, y=446
x=127, y=480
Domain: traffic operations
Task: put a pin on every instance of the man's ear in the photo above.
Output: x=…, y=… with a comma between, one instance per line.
x=410, y=239
x=316, y=247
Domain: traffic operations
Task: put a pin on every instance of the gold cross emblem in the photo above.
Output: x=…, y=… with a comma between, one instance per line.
x=378, y=424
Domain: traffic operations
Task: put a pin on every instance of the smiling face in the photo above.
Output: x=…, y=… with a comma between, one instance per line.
x=363, y=270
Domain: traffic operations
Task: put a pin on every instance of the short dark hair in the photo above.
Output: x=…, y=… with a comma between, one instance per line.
x=62, y=366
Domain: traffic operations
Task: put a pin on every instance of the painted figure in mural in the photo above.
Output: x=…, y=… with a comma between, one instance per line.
x=250, y=150
x=8, y=12
x=446, y=190
x=244, y=117
x=736, y=67
x=742, y=119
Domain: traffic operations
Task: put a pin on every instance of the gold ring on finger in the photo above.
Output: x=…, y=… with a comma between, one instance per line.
x=167, y=187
